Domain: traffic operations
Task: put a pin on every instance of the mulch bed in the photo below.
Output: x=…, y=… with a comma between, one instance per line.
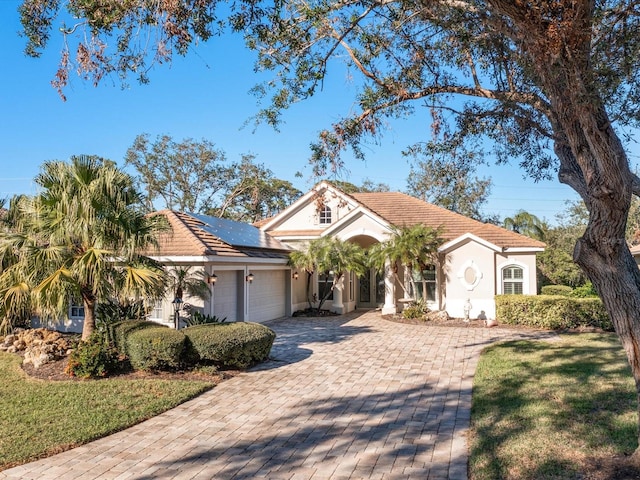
x=55, y=371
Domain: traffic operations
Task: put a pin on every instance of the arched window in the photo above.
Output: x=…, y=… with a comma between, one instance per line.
x=325, y=215
x=512, y=280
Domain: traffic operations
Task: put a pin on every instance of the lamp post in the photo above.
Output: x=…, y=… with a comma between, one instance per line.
x=177, y=305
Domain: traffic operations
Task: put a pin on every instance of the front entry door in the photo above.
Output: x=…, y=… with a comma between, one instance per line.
x=371, y=290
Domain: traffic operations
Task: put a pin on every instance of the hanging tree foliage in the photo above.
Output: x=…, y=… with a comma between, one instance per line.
x=552, y=83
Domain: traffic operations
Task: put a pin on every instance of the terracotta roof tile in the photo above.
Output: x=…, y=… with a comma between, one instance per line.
x=401, y=210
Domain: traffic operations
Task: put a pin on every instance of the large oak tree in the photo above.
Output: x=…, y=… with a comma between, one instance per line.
x=552, y=83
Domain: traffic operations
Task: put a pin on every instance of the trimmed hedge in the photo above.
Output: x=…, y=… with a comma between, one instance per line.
x=119, y=332
x=552, y=311
x=231, y=345
x=158, y=348
x=563, y=290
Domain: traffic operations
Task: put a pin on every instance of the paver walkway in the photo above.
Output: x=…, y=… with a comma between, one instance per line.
x=352, y=397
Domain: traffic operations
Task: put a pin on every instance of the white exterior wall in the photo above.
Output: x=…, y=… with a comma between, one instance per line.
x=307, y=217
x=458, y=290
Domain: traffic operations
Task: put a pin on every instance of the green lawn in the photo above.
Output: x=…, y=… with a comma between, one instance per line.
x=38, y=417
x=552, y=410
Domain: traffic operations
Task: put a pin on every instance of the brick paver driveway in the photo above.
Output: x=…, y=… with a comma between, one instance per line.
x=352, y=397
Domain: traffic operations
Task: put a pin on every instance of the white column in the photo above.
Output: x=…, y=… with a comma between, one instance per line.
x=337, y=305
x=389, y=290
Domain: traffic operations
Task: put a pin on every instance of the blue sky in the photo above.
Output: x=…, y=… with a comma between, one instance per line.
x=205, y=95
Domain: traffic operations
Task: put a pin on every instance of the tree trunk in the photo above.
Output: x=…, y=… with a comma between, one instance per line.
x=89, y=325
x=594, y=163
x=592, y=159
x=309, y=277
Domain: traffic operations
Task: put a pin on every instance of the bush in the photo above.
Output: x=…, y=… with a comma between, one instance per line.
x=231, y=345
x=197, y=318
x=552, y=312
x=416, y=309
x=563, y=290
x=119, y=332
x=93, y=358
x=585, y=291
x=157, y=348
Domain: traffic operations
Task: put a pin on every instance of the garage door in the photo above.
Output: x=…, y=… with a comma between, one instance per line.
x=267, y=295
x=225, y=295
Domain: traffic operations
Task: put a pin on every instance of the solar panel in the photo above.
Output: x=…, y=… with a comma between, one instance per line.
x=238, y=234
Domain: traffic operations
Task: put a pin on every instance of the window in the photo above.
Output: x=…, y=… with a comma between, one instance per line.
x=512, y=280
x=325, y=282
x=325, y=215
x=156, y=310
x=76, y=309
x=426, y=280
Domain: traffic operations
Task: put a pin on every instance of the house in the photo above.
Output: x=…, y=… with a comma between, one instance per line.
x=253, y=281
x=477, y=260
x=252, y=277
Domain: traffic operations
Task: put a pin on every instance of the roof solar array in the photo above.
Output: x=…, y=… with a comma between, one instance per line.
x=238, y=234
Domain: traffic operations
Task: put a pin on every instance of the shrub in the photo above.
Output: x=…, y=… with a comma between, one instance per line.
x=197, y=318
x=93, y=358
x=416, y=309
x=584, y=291
x=119, y=332
x=231, y=345
x=157, y=348
x=552, y=312
x=563, y=290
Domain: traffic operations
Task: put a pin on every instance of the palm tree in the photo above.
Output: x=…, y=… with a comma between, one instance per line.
x=182, y=279
x=331, y=256
x=79, y=238
x=415, y=247
x=525, y=223
x=305, y=260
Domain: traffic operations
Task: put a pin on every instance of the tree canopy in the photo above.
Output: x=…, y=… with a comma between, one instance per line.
x=447, y=179
x=194, y=176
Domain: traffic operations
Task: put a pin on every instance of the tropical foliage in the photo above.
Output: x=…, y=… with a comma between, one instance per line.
x=525, y=223
x=79, y=239
x=331, y=257
x=415, y=248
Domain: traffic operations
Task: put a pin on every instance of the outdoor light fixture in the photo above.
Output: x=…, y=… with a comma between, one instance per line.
x=177, y=305
x=212, y=279
x=250, y=277
x=295, y=275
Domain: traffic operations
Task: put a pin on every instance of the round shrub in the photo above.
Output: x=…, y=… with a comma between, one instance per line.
x=231, y=345
x=119, y=332
x=157, y=348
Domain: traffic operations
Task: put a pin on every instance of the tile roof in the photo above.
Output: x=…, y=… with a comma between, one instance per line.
x=401, y=210
x=188, y=237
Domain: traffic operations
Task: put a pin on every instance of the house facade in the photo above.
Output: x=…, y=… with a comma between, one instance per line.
x=254, y=282
x=476, y=262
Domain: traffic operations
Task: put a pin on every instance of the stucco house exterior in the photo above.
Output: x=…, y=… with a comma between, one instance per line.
x=477, y=260
x=254, y=282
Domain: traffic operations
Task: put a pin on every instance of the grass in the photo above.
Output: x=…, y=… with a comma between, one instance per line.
x=39, y=418
x=562, y=410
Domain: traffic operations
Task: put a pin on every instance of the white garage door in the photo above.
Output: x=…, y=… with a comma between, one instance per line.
x=225, y=295
x=267, y=295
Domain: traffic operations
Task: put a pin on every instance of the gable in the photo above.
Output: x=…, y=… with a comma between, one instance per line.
x=302, y=219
